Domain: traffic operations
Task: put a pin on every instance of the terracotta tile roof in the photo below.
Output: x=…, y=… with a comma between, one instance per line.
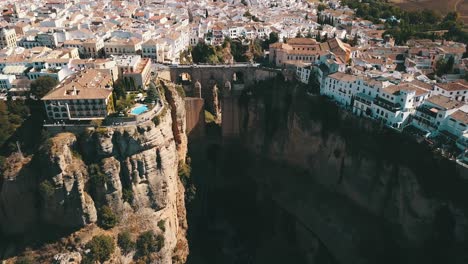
x=445, y=102
x=453, y=86
x=460, y=116
x=395, y=89
x=343, y=77
x=87, y=84
x=302, y=41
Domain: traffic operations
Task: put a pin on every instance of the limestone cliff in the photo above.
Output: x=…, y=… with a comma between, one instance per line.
x=367, y=187
x=131, y=169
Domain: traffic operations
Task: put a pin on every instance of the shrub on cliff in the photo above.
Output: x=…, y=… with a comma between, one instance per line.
x=96, y=176
x=107, y=218
x=100, y=248
x=127, y=195
x=180, y=90
x=185, y=171
x=24, y=260
x=125, y=242
x=162, y=225
x=156, y=120
x=46, y=189
x=148, y=242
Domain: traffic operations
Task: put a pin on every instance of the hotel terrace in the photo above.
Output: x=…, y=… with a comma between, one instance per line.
x=85, y=95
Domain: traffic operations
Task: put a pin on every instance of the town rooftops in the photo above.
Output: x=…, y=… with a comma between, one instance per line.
x=343, y=77
x=396, y=89
x=454, y=86
x=460, y=116
x=302, y=41
x=87, y=84
x=444, y=102
x=423, y=85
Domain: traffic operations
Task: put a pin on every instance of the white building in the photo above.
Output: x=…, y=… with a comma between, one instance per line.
x=396, y=103
x=456, y=90
x=6, y=82
x=432, y=115
x=149, y=49
x=7, y=38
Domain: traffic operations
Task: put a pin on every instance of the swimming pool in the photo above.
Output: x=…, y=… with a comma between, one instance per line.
x=139, y=110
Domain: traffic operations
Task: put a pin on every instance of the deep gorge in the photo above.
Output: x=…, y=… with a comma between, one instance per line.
x=313, y=184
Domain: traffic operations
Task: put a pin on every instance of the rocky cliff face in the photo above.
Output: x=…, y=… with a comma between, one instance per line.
x=358, y=202
x=131, y=169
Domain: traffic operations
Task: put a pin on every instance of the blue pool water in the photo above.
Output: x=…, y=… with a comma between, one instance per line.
x=139, y=109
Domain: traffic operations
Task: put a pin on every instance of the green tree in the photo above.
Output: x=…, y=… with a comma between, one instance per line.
x=444, y=66
x=152, y=93
x=203, y=53
x=148, y=242
x=321, y=7
x=6, y=129
x=125, y=242
x=42, y=85
x=100, y=248
x=119, y=90
x=440, y=67
x=162, y=225
x=107, y=218
x=314, y=84
x=47, y=189
x=273, y=37
x=450, y=64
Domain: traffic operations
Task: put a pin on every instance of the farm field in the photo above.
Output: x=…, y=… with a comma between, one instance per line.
x=442, y=6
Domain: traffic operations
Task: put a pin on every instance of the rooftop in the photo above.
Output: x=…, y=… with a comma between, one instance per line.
x=460, y=116
x=453, y=86
x=87, y=84
x=343, y=77
x=396, y=89
x=445, y=102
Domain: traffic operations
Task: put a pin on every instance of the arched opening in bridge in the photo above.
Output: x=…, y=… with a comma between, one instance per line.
x=238, y=78
x=184, y=78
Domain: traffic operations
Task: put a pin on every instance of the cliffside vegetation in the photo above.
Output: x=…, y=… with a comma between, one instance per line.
x=230, y=51
x=100, y=248
x=18, y=118
x=42, y=85
x=74, y=193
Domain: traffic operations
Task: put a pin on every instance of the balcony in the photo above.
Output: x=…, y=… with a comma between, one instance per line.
x=364, y=98
x=392, y=107
x=426, y=111
x=425, y=122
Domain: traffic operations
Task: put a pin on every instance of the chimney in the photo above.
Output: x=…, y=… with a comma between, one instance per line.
x=74, y=90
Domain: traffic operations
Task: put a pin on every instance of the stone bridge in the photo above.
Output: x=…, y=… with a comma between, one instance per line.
x=238, y=75
x=200, y=80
